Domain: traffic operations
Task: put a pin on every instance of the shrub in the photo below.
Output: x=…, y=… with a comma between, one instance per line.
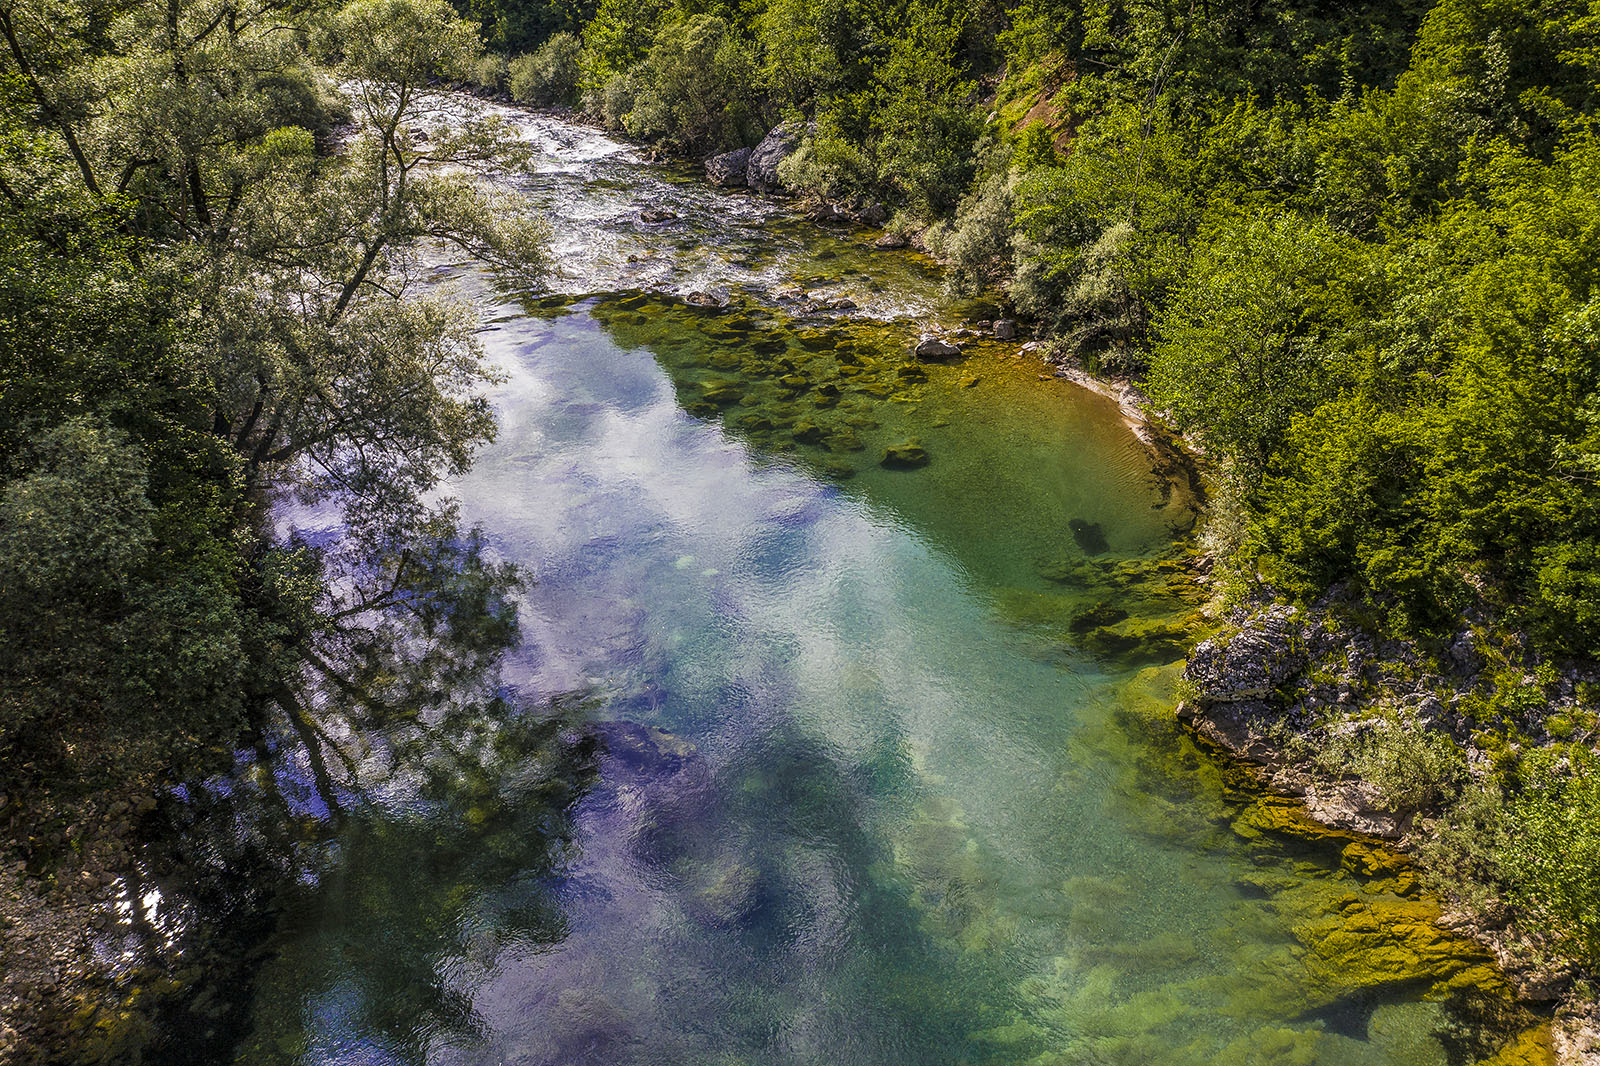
x=489, y=72
x=549, y=75
x=1414, y=768
x=979, y=248
x=1553, y=852
x=828, y=166
x=1035, y=148
x=612, y=102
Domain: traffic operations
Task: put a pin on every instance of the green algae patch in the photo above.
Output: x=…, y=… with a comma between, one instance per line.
x=1532, y=1047
x=981, y=471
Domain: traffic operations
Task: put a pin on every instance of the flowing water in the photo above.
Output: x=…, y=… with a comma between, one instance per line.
x=875, y=659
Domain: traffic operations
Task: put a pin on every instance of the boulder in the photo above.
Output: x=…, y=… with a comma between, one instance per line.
x=702, y=299
x=890, y=242
x=931, y=347
x=761, y=170
x=824, y=211
x=1005, y=329
x=656, y=214
x=871, y=213
x=1261, y=657
x=729, y=168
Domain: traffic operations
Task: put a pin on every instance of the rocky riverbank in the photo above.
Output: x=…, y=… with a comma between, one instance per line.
x=1377, y=736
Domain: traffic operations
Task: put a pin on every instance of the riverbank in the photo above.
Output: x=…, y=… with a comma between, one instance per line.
x=1364, y=732
x=1283, y=690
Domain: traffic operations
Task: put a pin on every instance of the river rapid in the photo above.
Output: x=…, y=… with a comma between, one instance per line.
x=847, y=736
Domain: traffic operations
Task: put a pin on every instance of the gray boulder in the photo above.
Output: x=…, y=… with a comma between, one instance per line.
x=1260, y=658
x=761, y=171
x=827, y=212
x=931, y=347
x=871, y=213
x=729, y=168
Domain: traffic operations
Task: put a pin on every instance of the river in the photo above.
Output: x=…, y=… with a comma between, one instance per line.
x=876, y=661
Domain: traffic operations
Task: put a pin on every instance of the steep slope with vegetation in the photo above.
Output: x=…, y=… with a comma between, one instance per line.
x=1349, y=250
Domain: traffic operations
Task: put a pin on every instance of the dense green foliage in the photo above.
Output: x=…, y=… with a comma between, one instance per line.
x=119, y=586
x=201, y=316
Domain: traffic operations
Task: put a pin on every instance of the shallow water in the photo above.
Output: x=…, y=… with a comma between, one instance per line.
x=886, y=768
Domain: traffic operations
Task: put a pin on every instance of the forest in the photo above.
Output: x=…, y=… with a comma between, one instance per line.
x=1349, y=251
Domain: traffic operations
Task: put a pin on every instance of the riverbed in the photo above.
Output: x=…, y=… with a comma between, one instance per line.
x=868, y=666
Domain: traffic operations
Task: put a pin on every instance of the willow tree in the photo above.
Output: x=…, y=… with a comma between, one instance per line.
x=285, y=167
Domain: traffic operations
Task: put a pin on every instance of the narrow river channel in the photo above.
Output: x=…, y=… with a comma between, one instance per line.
x=880, y=657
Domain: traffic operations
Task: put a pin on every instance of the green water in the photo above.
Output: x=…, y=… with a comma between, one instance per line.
x=883, y=768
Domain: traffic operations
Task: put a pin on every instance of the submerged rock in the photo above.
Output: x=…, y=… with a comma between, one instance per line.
x=907, y=456
x=729, y=168
x=722, y=393
x=761, y=170
x=1101, y=614
x=845, y=440
x=1089, y=536
x=657, y=214
x=808, y=432
x=702, y=299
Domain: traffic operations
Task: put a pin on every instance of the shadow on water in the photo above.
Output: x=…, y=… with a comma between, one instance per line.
x=451, y=855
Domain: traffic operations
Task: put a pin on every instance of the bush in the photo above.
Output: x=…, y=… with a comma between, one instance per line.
x=1414, y=769
x=1553, y=852
x=612, y=101
x=1035, y=148
x=979, y=249
x=489, y=72
x=828, y=165
x=549, y=75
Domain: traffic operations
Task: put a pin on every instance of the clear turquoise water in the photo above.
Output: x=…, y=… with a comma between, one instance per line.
x=872, y=785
